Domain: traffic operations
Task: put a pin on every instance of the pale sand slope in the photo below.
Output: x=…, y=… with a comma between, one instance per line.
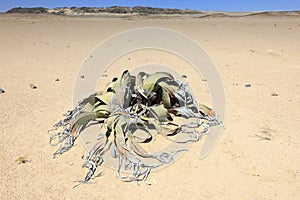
x=39, y=49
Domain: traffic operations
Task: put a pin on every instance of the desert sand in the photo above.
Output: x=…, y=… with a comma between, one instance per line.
x=257, y=156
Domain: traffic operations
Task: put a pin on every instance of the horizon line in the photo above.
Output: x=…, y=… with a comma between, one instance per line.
x=130, y=7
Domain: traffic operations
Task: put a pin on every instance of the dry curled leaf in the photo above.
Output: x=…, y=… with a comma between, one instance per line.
x=22, y=160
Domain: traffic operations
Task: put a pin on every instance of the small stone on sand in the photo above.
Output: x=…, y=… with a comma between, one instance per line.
x=32, y=86
x=248, y=85
x=2, y=90
x=183, y=76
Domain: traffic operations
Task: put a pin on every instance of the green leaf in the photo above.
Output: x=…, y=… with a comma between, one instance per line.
x=160, y=113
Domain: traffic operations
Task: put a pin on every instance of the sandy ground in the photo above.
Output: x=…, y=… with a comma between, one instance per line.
x=257, y=156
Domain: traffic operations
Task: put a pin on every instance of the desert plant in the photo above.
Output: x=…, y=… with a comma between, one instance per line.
x=133, y=110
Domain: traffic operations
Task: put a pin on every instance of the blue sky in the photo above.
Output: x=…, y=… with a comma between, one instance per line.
x=208, y=5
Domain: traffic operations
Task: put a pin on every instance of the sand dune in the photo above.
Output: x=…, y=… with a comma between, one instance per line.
x=257, y=156
x=139, y=10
